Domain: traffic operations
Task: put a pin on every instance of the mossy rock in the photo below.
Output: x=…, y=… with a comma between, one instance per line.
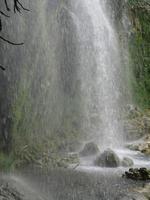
x=127, y=162
x=137, y=174
x=107, y=159
x=89, y=149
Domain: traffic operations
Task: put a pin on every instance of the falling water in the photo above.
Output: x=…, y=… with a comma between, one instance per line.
x=67, y=79
x=100, y=72
x=64, y=82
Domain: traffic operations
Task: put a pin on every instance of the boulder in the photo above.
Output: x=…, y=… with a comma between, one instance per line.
x=89, y=149
x=107, y=159
x=127, y=162
x=137, y=174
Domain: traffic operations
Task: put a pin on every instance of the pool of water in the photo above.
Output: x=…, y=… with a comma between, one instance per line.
x=84, y=183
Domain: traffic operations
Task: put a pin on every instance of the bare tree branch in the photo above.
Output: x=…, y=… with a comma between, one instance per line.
x=0, y=24
x=2, y=13
x=23, y=7
x=6, y=4
x=17, y=7
x=9, y=42
x=3, y=68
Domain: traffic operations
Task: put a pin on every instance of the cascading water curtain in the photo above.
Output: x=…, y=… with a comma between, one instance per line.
x=100, y=72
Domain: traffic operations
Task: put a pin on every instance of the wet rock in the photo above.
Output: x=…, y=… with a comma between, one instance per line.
x=143, y=146
x=89, y=149
x=107, y=159
x=136, y=123
x=69, y=160
x=14, y=188
x=133, y=147
x=127, y=162
x=147, y=138
x=134, y=128
x=133, y=196
x=8, y=193
x=133, y=111
x=146, y=121
x=138, y=174
x=145, y=191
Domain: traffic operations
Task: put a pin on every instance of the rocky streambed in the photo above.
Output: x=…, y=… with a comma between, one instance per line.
x=93, y=183
x=101, y=180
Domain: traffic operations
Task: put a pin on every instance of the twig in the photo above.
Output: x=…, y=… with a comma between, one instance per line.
x=6, y=4
x=77, y=165
x=3, y=68
x=2, y=13
x=9, y=42
x=23, y=6
x=17, y=8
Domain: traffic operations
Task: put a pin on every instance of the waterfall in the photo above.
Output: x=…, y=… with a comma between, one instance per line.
x=99, y=72
x=67, y=81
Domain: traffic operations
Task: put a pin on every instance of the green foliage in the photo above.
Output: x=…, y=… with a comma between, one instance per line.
x=139, y=4
x=19, y=110
x=140, y=50
x=6, y=162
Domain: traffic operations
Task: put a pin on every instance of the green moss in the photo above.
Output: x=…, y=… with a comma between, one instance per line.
x=29, y=145
x=6, y=162
x=140, y=50
x=21, y=117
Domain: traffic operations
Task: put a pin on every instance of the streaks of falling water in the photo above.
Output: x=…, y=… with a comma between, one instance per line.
x=73, y=73
x=101, y=76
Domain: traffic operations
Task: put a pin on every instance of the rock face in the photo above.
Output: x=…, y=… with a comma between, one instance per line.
x=146, y=121
x=90, y=149
x=136, y=123
x=127, y=162
x=133, y=111
x=134, y=129
x=107, y=159
x=145, y=146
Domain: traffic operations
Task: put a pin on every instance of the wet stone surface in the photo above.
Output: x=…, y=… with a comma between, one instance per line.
x=89, y=149
x=137, y=174
x=15, y=188
x=107, y=159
